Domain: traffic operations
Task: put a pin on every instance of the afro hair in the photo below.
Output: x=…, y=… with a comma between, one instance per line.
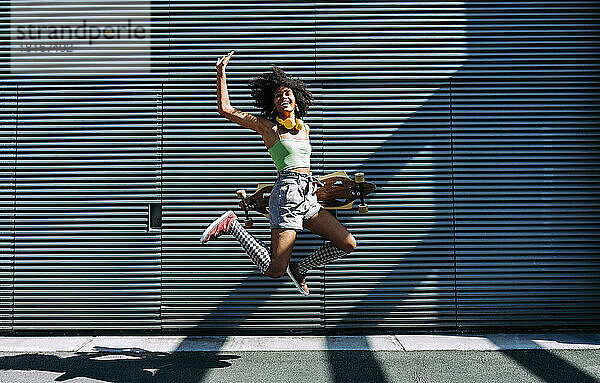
x=263, y=88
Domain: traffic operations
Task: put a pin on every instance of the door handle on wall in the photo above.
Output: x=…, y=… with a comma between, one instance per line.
x=154, y=217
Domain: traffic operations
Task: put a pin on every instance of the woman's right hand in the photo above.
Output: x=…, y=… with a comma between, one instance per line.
x=223, y=60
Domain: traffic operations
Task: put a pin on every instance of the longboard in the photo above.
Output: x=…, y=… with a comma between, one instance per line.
x=339, y=191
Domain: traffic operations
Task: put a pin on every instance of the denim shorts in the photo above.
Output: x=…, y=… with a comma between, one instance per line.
x=293, y=200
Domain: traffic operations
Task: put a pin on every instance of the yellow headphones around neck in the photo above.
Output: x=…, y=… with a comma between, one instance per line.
x=289, y=124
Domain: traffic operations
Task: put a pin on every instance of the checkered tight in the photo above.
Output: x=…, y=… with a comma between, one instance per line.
x=256, y=249
x=325, y=254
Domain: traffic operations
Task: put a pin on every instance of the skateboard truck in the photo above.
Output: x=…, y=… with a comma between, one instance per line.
x=359, y=178
x=242, y=196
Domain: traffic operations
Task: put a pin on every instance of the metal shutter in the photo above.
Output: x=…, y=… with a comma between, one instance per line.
x=207, y=158
x=88, y=166
x=8, y=121
x=475, y=120
x=525, y=131
x=385, y=69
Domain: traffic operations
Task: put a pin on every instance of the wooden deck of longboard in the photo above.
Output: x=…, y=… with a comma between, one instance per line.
x=344, y=179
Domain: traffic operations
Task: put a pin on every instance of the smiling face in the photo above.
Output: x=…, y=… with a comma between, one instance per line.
x=284, y=101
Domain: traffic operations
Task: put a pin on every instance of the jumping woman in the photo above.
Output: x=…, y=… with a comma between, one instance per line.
x=293, y=202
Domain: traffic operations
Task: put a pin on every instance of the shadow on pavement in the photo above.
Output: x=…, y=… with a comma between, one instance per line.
x=355, y=366
x=542, y=362
x=549, y=367
x=128, y=365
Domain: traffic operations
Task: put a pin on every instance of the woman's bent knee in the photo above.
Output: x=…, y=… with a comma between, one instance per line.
x=349, y=245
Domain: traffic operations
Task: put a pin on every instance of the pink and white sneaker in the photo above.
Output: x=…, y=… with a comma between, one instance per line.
x=219, y=226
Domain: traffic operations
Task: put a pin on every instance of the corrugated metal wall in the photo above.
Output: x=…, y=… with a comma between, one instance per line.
x=478, y=123
x=385, y=69
x=87, y=168
x=8, y=132
x=206, y=159
x=525, y=135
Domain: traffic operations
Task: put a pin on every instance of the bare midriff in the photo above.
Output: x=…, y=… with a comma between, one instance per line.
x=301, y=170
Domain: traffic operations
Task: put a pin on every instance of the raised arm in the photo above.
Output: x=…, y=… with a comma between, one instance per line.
x=244, y=119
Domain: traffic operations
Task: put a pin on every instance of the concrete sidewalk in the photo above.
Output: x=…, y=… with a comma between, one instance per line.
x=481, y=358
x=401, y=343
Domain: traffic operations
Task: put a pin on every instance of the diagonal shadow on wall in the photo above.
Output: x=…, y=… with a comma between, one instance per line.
x=342, y=367
x=365, y=306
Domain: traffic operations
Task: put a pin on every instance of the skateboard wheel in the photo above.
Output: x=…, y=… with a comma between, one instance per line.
x=241, y=193
x=359, y=177
x=363, y=208
x=248, y=223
